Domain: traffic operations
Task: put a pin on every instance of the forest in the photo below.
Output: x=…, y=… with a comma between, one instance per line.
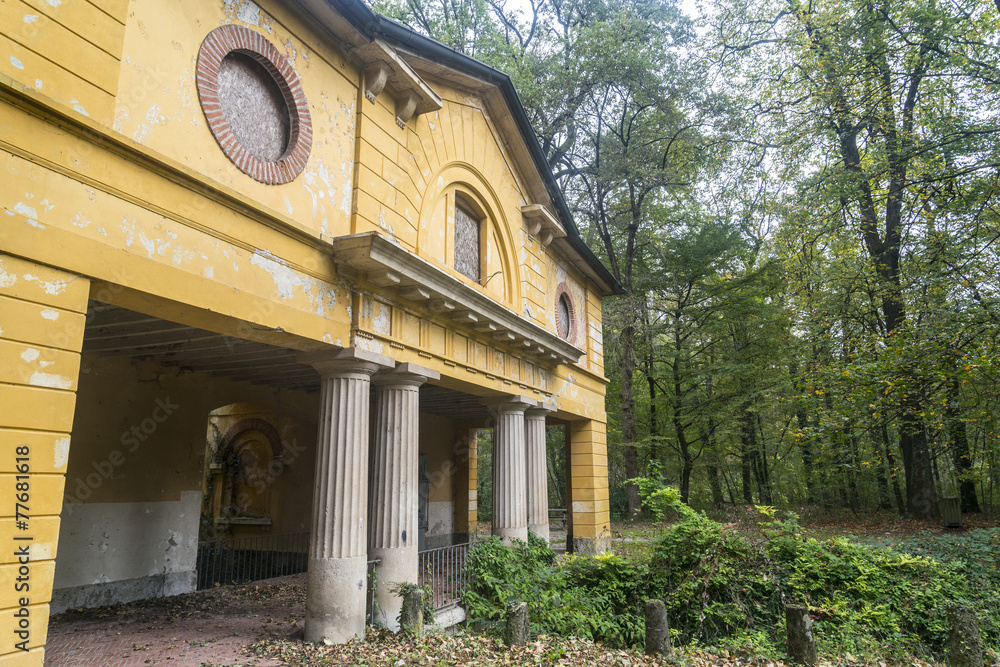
x=799, y=198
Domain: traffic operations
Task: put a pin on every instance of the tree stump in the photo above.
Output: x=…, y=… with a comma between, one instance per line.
x=517, y=631
x=964, y=646
x=798, y=630
x=657, y=628
x=411, y=616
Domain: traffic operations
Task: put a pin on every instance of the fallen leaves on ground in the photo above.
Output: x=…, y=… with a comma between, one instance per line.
x=384, y=649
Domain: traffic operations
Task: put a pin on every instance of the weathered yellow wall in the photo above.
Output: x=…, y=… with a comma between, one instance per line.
x=139, y=439
x=68, y=51
x=92, y=209
x=588, y=470
x=42, y=313
x=158, y=103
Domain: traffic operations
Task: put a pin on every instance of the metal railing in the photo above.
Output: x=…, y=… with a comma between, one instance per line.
x=444, y=571
x=239, y=560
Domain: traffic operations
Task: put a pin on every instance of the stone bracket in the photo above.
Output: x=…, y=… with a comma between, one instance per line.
x=540, y=223
x=384, y=66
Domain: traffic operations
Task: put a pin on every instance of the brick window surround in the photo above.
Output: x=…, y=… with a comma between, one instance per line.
x=569, y=324
x=237, y=39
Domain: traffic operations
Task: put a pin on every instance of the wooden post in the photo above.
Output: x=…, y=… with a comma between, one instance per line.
x=517, y=631
x=799, y=635
x=964, y=646
x=657, y=628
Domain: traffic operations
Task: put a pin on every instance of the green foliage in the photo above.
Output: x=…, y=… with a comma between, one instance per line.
x=726, y=585
x=586, y=597
x=976, y=554
x=658, y=498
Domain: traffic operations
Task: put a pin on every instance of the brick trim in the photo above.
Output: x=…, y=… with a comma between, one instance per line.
x=228, y=39
x=562, y=291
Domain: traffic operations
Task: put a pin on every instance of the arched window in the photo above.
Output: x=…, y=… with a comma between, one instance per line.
x=468, y=242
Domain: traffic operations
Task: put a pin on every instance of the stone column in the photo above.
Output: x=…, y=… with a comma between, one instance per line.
x=510, y=493
x=338, y=554
x=538, y=483
x=392, y=503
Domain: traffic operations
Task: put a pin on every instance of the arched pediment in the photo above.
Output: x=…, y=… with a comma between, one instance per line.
x=435, y=238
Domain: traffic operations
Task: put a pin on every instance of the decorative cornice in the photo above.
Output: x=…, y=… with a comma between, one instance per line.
x=390, y=266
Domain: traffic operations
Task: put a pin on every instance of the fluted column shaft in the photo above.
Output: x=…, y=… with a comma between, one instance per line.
x=538, y=487
x=335, y=594
x=392, y=502
x=510, y=498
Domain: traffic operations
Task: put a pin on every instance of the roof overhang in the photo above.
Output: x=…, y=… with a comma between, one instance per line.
x=354, y=22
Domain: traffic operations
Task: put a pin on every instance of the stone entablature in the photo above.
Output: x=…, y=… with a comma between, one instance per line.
x=422, y=284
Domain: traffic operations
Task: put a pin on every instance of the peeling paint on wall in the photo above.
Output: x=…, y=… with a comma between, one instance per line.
x=51, y=381
x=61, y=455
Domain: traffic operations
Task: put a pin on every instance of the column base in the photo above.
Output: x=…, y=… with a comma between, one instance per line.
x=508, y=535
x=335, y=599
x=399, y=565
x=591, y=546
x=540, y=529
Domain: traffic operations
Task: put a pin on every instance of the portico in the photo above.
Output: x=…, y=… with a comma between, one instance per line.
x=337, y=282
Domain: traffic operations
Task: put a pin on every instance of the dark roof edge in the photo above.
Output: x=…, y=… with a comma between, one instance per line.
x=371, y=24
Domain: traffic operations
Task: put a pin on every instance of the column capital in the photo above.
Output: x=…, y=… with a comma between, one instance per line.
x=540, y=410
x=405, y=375
x=345, y=361
x=509, y=403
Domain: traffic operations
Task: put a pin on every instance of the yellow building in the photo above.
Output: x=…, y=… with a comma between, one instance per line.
x=257, y=263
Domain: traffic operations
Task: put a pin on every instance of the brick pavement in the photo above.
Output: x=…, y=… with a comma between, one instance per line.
x=204, y=628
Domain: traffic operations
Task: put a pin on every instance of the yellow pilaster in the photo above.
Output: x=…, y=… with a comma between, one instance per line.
x=42, y=315
x=588, y=465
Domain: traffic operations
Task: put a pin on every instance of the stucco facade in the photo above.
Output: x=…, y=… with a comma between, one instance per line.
x=171, y=307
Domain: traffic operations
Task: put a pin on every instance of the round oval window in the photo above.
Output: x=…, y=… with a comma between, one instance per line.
x=254, y=104
x=565, y=316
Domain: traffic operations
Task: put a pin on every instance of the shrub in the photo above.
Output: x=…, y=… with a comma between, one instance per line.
x=726, y=585
x=723, y=584
x=591, y=598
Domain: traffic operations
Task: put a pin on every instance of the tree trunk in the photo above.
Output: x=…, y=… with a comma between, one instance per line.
x=713, y=469
x=921, y=496
x=749, y=451
x=960, y=452
x=627, y=370
x=762, y=473
x=805, y=442
x=893, y=468
x=882, y=477
x=654, y=427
